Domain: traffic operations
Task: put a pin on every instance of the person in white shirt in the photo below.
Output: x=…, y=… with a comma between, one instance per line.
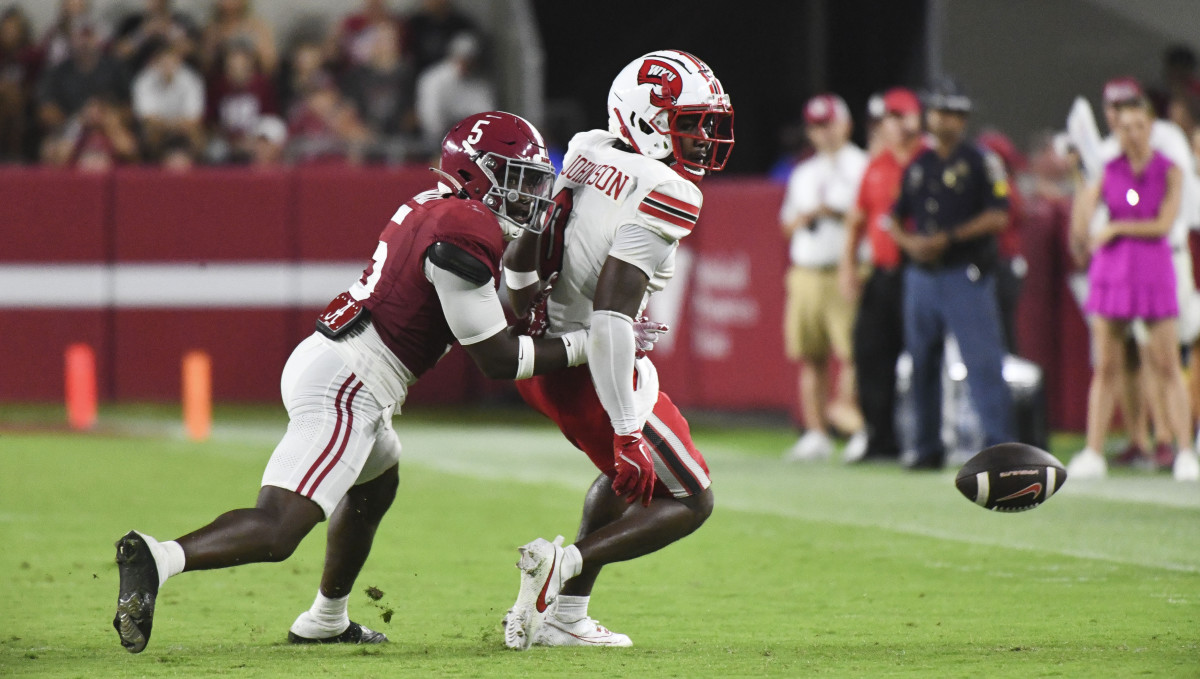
x=168, y=101
x=818, y=319
x=452, y=89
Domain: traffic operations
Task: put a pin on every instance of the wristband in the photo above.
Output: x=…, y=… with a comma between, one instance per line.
x=575, y=343
x=516, y=280
x=524, y=357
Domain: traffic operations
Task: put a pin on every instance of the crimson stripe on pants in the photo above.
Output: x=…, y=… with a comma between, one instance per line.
x=345, y=438
x=337, y=428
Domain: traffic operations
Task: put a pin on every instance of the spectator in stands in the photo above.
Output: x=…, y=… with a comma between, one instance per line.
x=952, y=204
x=86, y=74
x=452, y=89
x=305, y=69
x=1131, y=276
x=1012, y=267
x=432, y=29
x=818, y=321
x=270, y=139
x=168, y=101
x=353, y=42
x=139, y=33
x=234, y=21
x=324, y=127
x=96, y=139
x=20, y=63
x=57, y=43
x=879, y=326
x=382, y=89
x=237, y=98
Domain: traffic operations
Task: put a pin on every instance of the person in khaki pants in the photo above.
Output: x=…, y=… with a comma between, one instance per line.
x=818, y=320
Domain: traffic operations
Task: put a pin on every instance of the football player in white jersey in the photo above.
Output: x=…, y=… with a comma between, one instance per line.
x=625, y=198
x=431, y=283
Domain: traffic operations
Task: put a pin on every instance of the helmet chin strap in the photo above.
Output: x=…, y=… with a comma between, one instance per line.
x=452, y=181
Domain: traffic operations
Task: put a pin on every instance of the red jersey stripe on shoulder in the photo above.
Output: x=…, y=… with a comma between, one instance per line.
x=675, y=203
x=666, y=216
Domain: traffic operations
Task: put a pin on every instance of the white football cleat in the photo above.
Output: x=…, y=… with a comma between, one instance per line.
x=585, y=632
x=1087, y=464
x=856, y=447
x=812, y=447
x=1186, y=467
x=541, y=580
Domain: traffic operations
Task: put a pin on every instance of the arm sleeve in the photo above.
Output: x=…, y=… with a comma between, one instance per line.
x=799, y=196
x=637, y=245
x=611, y=361
x=472, y=311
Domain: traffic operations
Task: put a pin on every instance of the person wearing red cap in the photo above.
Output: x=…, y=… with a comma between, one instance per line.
x=879, y=327
x=818, y=321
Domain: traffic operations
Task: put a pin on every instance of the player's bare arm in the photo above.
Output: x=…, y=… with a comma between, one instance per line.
x=520, y=272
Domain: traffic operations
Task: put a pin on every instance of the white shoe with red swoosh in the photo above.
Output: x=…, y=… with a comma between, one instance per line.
x=541, y=579
x=585, y=632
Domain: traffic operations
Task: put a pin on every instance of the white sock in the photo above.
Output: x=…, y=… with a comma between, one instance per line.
x=571, y=608
x=572, y=562
x=331, y=614
x=169, y=558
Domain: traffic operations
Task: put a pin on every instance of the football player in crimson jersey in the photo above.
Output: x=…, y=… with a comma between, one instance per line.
x=432, y=282
x=625, y=198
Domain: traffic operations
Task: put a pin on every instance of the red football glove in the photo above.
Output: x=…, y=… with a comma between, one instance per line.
x=646, y=333
x=535, y=321
x=635, y=468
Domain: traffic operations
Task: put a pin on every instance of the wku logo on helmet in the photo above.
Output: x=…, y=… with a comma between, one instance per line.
x=668, y=84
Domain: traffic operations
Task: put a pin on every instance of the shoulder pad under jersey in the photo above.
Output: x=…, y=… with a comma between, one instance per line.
x=459, y=262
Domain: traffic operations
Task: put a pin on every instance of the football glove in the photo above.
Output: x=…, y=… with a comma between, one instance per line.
x=646, y=333
x=535, y=320
x=635, y=468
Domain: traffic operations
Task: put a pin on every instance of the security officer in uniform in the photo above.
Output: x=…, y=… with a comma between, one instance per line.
x=953, y=202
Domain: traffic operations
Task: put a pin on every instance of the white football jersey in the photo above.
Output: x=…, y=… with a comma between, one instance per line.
x=615, y=197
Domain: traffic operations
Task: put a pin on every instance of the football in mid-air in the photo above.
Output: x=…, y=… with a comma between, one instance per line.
x=1010, y=477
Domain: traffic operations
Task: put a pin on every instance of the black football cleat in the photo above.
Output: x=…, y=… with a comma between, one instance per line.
x=354, y=634
x=139, y=590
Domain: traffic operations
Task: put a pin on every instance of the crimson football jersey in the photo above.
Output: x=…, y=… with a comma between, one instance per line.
x=405, y=309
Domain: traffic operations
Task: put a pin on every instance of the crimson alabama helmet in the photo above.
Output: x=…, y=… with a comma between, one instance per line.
x=651, y=94
x=500, y=160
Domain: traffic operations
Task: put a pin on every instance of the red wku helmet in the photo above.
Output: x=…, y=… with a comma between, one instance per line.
x=500, y=160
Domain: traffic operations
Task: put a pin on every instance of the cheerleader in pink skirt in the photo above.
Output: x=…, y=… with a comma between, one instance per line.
x=1130, y=277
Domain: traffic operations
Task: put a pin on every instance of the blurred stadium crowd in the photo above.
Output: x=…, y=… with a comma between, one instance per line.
x=162, y=85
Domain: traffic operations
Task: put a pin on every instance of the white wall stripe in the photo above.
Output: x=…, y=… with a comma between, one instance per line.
x=174, y=285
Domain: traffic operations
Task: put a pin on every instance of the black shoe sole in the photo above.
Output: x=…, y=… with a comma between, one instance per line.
x=139, y=590
x=354, y=634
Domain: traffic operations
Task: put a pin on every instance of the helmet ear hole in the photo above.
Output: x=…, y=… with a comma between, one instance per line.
x=645, y=127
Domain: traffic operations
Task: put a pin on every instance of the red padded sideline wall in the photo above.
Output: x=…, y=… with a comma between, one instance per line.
x=203, y=217
x=725, y=305
x=49, y=218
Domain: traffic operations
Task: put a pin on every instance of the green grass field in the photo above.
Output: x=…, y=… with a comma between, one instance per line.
x=802, y=571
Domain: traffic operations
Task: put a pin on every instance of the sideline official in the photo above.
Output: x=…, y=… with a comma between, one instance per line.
x=953, y=202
